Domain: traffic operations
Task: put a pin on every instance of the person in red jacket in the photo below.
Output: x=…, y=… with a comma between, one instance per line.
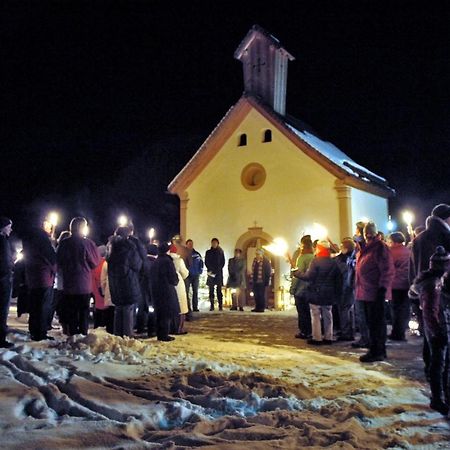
x=400, y=303
x=374, y=273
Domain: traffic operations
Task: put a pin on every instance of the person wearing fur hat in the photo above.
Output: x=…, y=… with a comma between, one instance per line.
x=428, y=284
x=374, y=273
x=261, y=272
x=6, y=273
x=324, y=291
x=163, y=279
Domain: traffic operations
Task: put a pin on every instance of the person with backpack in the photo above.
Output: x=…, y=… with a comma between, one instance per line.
x=194, y=263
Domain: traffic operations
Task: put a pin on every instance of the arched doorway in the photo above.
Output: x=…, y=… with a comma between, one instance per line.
x=255, y=238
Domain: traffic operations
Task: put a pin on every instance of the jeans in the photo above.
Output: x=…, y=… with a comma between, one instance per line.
x=347, y=312
x=362, y=321
x=400, y=313
x=192, y=280
x=304, y=315
x=376, y=321
x=123, y=320
x=77, y=313
x=218, y=292
x=40, y=305
x=324, y=312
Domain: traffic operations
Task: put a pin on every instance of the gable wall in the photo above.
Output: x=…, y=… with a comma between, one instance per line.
x=296, y=193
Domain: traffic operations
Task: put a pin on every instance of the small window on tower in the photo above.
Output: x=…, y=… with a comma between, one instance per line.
x=267, y=136
x=242, y=140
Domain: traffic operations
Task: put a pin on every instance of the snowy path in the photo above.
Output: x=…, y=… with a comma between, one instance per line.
x=236, y=380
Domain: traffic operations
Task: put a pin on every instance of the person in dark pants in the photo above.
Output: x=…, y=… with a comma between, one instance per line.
x=6, y=274
x=400, y=303
x=374, y=272
x=429, y=284
x=76, y=256
x=152, y=254
x=163, y=279
x=299, y=288
x=194, y=263
x=124, y=269
x=261, y=272
x=215, y=261
x=40, y=270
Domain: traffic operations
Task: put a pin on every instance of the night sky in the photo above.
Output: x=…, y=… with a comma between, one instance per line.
x=104, y=102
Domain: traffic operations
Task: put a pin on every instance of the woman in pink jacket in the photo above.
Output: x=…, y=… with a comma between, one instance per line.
x=374, y=272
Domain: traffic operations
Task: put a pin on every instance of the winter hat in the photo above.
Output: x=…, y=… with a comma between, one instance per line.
x=439, y=259
x=163, y=248
x=442, y=211
x=173, y=248
x=4, y=222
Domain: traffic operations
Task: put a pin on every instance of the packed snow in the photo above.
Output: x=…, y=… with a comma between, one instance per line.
x=234, y=380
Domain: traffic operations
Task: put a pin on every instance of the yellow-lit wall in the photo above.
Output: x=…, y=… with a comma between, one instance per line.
x=372, y=207
x=296, y=193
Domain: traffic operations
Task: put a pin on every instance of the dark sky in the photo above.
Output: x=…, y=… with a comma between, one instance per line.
x=91, y=88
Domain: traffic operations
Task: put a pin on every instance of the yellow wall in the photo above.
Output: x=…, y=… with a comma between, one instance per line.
x=296, y=193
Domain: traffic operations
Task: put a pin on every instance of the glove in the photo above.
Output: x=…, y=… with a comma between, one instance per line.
x=381, y=294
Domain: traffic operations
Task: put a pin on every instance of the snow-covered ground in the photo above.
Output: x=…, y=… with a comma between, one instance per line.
x=237, y=380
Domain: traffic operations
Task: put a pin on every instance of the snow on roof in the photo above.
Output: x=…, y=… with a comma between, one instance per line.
x=337, y=156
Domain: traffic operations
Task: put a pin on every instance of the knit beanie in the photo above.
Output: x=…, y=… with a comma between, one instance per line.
x=163, y=248
x=442, y=211
x=4, y=222
x=439, y=259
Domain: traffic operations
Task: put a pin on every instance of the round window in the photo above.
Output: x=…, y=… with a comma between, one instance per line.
x=253, y=176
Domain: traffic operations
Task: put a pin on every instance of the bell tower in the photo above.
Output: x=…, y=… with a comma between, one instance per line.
x=265, y=65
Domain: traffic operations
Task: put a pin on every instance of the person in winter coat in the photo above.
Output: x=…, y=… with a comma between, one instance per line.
x=40, y=270
x=182, y=273
x=346, y=304
x=429, y=284
x=261, y=272
x=6, y=275
x=400, y=303
x=300, y=287
x=195, y=267
x=124, y=266
x=164, y=278
x=324, y=290
x=76, y=256
x=437, y=232
x=236, y=280
x=103, y=307
x=215, y=261
x=62, y=309
x=152, y=254
x=374, y=273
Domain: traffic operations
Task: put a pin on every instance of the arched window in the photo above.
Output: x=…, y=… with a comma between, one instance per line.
x=267, y=136
x=242, y=140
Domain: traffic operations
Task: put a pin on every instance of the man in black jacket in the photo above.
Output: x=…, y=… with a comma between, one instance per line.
x=6, y=272
x=214, y=262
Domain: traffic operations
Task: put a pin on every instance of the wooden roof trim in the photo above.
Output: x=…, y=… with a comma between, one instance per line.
x=211, y=146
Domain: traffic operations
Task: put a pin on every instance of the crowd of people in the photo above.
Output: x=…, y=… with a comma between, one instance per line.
x=144, y=289
x=342, y=289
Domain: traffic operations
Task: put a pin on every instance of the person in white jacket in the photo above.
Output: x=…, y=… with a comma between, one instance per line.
x=182, y=273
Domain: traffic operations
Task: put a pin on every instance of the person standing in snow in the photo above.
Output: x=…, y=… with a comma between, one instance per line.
x=6, y=275
x=429, y=284
x=236, y=280
x=194, y=263
x=163, y=279
x=374, y=273
x=182, y=273
x=400, y=303
x=300, y=287
x=324, y=291
x=76, y=256
x=40, y=270
x=124, y=267
x=215, y=261
x=261, y=273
